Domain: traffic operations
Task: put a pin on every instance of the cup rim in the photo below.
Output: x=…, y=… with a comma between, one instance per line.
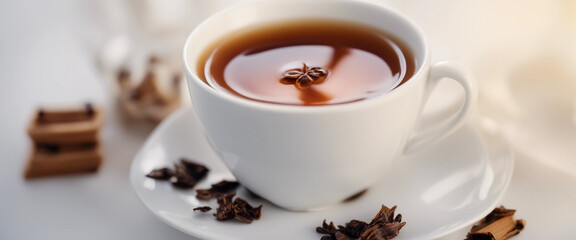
x=193, y=78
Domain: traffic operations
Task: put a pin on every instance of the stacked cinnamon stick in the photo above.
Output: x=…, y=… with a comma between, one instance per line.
x=64, y=141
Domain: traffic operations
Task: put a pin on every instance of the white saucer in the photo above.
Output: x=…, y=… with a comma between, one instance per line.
x=438, y=190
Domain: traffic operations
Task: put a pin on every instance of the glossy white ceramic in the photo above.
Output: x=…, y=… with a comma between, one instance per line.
x=440, y=189
x=349, y=145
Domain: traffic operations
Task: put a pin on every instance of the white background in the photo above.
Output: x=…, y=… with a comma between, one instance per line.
x=522, y=52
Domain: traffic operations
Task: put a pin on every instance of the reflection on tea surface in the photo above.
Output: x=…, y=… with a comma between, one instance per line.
x=307, y=62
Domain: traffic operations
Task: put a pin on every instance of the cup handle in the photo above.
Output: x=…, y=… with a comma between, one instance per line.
x=449, y=122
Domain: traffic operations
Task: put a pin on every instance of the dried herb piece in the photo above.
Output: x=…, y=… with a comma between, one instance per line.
x=244, y=212
x=202, y=209
x=303, y=78
x=225, y=210
x=382, y=231
x=217, y=190
x=185, y=175
x=194, y=169
x=353, y=228
x=204, y=194
x=239, y=209
x=181, y=178
x=385, y=225
x=328, y=229
x=225, y=186
x=160, y=174
x=498, y=225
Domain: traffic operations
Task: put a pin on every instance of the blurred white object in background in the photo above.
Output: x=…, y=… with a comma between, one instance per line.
x=132, y=31
x=542, y=87
x=137, y=29
x=523, y=54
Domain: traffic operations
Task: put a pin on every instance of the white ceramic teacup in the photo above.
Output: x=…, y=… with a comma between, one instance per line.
x=307, y=157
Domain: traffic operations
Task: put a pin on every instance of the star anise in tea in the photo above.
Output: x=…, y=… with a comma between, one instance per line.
x=383, y=226
x=304, y=77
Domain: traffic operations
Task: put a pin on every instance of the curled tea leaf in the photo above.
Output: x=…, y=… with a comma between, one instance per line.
x=160, y=174
x=385, y=225
x=202, y=209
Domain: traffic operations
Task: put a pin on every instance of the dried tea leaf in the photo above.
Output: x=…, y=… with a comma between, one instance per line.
x=195, y=170
x=217, y=190
x=160, y=174
x=181, y=178
x=205, y=194
x=385, y=225
x=202, y=209
x=382, y=231
x=341, y=236
x=225, y=210
x=237, y=209
x=185, y=175
x=225, y=186
x=244, y=212
x=353, y=228
x=386, y=215
x=326, y=228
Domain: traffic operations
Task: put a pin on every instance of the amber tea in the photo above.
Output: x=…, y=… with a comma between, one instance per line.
x=307, y=62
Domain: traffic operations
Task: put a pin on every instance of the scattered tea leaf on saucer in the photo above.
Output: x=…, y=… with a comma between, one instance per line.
x=185, y=175
x=202, y=209
x=238, y=209
x=498, y=225
x=217, y=190
x=194, y=169
x=385, y=225
x=182, y=179
x=160, y=174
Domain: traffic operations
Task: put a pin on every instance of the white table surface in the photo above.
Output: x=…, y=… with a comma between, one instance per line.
x=47, y=57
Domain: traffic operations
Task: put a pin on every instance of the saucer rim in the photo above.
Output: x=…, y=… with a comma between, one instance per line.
x=510, y=162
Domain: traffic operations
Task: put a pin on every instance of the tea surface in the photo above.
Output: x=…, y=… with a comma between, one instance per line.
x=360, y=62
